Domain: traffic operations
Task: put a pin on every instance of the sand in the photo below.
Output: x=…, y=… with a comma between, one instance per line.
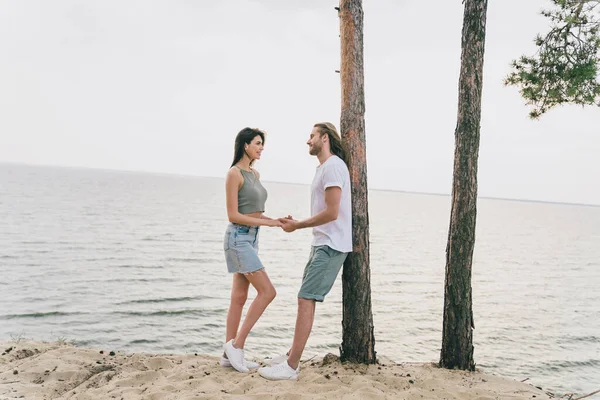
x=36, y=370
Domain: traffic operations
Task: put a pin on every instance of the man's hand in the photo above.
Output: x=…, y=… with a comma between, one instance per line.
x=288, y=224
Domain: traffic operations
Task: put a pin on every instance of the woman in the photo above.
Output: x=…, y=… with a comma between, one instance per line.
x=245, y=206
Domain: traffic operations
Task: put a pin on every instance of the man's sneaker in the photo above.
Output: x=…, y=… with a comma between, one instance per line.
x=277, y=360
x=279, y=372
x=225, y=363
x=235, y=356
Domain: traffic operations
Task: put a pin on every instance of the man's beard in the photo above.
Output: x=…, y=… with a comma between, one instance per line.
x=314, y=150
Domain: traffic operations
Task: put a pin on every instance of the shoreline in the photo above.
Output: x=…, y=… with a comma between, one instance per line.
x=40, y=370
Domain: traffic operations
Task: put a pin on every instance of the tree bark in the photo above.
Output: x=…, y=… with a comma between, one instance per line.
x=358, y=339
x=458, y=325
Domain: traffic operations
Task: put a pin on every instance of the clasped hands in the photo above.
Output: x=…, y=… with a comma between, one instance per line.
x=288, y=223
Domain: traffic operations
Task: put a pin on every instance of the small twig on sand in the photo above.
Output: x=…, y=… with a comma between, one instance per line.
x=309, y=359
x=526, y=379
x=587, y=395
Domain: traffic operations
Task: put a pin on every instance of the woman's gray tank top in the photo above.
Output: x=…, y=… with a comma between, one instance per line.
x=252, y=196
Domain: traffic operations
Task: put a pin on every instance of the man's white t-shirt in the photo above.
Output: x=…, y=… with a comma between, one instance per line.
x=335, y=234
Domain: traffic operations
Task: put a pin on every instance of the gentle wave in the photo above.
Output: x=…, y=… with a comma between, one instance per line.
x=565, y=364
x=139, y=266
x=41, y=315
x=163, y=300
x=143, y=341
x=127, y=280
x=194, y=260
x=578, y=339
x=163, y=313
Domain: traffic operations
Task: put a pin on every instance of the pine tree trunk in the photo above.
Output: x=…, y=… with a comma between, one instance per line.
x=358, y=341
x=458, y=325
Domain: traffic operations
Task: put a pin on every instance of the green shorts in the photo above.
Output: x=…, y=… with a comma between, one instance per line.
x=320, y=272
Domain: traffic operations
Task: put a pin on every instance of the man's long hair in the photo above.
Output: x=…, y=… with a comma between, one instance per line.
x=335, y=141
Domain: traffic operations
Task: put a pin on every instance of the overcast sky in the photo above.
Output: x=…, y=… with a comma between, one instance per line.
x=165, y=86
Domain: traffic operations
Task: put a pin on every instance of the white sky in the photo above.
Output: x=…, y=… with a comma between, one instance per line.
x=165, y=86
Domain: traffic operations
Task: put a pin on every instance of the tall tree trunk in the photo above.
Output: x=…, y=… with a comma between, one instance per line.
x=358, y=339
x=457, y=336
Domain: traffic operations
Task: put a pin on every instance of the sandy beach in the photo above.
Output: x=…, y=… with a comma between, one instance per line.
x=36, y=370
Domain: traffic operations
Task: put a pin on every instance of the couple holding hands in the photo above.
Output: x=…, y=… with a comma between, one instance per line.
x=331, y=220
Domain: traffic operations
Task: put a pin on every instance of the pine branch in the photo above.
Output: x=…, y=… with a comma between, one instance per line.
x=565, y=67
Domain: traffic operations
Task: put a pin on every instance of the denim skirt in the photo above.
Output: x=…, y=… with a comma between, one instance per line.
x=241, y=249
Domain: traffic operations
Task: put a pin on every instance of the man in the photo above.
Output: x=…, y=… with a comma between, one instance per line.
x=331, y=220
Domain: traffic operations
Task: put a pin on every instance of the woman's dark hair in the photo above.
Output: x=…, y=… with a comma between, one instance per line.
x=245, y=136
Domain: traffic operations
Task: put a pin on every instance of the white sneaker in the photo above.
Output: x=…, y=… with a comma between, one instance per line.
x=225, y=363
x=235, y=356
x=279, y=372
x=277, y=360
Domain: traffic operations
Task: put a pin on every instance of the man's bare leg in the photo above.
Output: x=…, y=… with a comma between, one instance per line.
x=304, y=323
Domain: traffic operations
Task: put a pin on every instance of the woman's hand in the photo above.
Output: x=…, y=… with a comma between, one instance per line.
x=274, y=223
